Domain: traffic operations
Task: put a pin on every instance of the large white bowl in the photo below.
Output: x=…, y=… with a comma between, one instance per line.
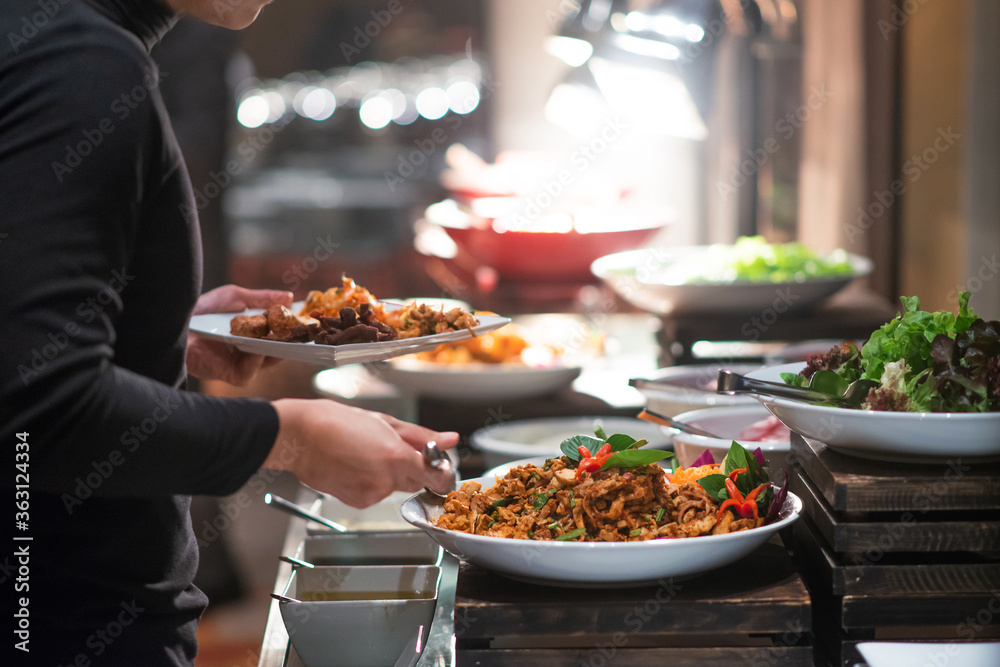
x=475, y=382
x=727, y=423
x=511, y=441
x=632, y=275
x=678, y=389
x=904, y=437
x=593, y=564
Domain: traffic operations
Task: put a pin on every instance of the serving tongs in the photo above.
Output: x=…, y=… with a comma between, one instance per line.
x=295, y=510
x=852, y=397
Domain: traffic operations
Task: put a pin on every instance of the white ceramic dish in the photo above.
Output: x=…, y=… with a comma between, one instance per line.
x=906, y=437
x=632, y=275
x=727, y=423
x=372, y=631
x=678, y=389
x=216, y=327
x=918, y=654
x=511, y=441
x=592, y=564
x=474, y=382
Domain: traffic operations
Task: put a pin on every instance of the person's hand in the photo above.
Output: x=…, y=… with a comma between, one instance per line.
x=215, y=360
x=357, y=455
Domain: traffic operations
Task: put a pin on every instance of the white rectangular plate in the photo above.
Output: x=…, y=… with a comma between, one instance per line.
x=216, y=327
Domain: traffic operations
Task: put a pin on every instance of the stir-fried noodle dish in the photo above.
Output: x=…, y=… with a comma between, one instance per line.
x=593, y=500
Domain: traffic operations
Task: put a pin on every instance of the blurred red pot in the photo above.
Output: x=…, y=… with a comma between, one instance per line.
x=523, y=239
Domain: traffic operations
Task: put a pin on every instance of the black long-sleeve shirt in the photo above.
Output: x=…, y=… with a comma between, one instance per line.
x=99, y=272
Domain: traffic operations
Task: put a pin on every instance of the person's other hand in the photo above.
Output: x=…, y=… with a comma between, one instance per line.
x=215, y=360
x=357, y=455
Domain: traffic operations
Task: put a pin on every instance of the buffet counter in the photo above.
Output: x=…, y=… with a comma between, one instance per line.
x=755, y=612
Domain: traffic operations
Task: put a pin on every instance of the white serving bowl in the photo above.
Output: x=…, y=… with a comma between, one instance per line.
x=374, y=631
x=633, y=275
x=727, y=422
x=593, y=564
x=526, y=438
x=904, y=437
x=682, y=388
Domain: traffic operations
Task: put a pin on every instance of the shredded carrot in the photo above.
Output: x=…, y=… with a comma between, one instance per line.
x=682, y=475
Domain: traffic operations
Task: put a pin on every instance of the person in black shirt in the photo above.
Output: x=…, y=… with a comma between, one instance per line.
x=99, y=274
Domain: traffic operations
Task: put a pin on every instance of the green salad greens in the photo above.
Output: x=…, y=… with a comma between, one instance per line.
x=753, y=259
x=925, y=362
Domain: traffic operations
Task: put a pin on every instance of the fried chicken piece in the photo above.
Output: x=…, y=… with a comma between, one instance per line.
x=249, y=326
x=288, y=327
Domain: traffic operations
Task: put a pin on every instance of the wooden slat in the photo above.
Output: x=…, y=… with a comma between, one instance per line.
x=906, y=532
x=975, y=574
x=760, y=594
x=852, y=484
x=792, y=656
x=950, y=609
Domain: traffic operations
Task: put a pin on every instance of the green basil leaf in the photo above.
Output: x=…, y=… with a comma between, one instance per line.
x=568, y=446
x=736, y=458
x=620, y=441
x=715, y=486
x=631, y=458
x=599, y=432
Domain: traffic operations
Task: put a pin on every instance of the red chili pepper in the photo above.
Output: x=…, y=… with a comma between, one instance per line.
x=593, y=463
x=745, y=508
x=735, y=473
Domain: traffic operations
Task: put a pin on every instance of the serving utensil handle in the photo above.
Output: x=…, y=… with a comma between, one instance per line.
x=292, y=508
x=734, y=383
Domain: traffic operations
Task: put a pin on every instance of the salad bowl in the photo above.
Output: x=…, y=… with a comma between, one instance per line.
x=905, y=437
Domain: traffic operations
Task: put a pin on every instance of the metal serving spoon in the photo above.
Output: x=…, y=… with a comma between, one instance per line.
x=670, y=422
x=442, y=476
x=293, y=509
x=853, y=396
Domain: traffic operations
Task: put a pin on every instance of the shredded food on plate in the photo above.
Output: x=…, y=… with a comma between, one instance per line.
x=553, y=502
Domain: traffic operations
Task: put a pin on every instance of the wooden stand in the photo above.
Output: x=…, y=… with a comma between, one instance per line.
x=896, y=551
x=756, y=611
